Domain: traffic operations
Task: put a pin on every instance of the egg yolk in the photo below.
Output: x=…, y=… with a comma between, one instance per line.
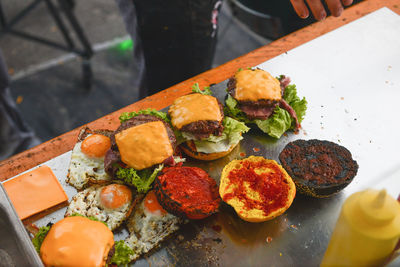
x=96, y=145
x=152, y=205
x=114, y=196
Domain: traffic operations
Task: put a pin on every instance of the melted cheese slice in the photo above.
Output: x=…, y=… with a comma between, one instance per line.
x=144, y=145
x=253, y=85
x=194, y=107
x=35, y=191
x=77, y=241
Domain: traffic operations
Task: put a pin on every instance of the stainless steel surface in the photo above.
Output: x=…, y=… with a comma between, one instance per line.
x=16, y=248
x=351, y=79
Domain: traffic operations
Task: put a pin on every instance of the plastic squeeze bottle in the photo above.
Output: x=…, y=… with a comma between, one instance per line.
x=366, y=232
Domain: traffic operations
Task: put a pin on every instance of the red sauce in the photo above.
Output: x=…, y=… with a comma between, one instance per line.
x=242, y=154
x=192, y=187
x=272, y=187
x=256, y=149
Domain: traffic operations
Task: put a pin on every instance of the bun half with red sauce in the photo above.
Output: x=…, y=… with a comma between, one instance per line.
x=187, y=192
x=258, y=189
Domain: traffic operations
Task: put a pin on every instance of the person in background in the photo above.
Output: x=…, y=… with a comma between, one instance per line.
x=15, y=135
x=317, y=8
x=176, y=39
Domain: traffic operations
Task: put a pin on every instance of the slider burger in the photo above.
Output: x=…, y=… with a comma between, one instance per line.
x=140, y=148
x=204, y=131
x=255, y=96
x=79, y=241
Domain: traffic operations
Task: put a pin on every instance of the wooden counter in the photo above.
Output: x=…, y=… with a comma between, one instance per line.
x=30, y=158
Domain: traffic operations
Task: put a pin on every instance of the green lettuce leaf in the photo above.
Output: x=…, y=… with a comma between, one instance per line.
x=39, y=237
x=299, y=105
x=179, y=137
x=129, y=115
x=277, y=124
x=142, y=179
x=233, y=111
x=122, y=254
x=196, y=89
x=280, y=121
x=231, y=135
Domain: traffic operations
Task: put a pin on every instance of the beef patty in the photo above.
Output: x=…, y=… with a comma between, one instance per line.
x=204, y=128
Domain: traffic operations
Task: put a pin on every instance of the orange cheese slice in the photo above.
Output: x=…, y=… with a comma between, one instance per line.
x=144, y=145
x=194, y=107
x=253, y=85
x=35, y=191
x=77, y=241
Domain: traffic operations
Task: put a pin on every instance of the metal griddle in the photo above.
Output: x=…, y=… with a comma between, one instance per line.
x=351, y=79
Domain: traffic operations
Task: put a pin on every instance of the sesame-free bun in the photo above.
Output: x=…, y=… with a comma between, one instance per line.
x=269, y=190
x=190, y=149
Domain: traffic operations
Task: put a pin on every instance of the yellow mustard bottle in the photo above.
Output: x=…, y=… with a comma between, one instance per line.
x=366, y=232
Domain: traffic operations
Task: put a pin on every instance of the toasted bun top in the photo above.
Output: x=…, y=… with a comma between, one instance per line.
x=254, y=85
x=194, y=107
x=258, y=189
x=144, y=145
x=77, y=241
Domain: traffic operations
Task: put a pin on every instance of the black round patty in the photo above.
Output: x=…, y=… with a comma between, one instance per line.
x=318, y=167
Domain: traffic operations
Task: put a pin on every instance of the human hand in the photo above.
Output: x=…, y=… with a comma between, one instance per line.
x=317, y=8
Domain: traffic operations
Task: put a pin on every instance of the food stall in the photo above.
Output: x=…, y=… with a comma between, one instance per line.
x=342, y=66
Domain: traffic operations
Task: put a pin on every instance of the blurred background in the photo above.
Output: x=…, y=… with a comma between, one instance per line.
x=58, y=90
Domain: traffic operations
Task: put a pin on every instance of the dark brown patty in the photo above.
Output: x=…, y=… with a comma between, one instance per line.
x=204, y=128
x=321, y=167
x=110, y=254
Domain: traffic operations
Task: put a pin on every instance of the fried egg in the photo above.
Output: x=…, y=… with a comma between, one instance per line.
x=111, y=204
x=87, y=161
x=148, y=225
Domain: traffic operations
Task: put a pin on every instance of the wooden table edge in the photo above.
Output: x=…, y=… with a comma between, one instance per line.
x=65, y=142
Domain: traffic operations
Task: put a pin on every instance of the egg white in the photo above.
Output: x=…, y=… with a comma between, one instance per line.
x=87, y=203
x=84, y=169
x=148, y=229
